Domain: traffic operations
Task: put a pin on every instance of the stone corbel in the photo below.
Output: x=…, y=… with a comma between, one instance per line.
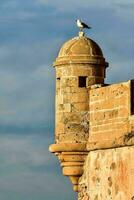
x=71, y=157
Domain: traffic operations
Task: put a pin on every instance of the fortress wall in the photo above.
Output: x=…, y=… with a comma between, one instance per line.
x=109, y=167
x=110, y=111
x=108, y=175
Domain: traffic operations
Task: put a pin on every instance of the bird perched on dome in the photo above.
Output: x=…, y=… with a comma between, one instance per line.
x=82, y=25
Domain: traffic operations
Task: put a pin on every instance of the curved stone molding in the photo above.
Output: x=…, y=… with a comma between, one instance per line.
x=72, y=157
x=67, y=147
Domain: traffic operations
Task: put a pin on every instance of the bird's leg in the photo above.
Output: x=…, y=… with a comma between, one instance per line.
x=82, y=29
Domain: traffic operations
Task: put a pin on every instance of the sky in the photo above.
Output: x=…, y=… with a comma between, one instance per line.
x=31, y=34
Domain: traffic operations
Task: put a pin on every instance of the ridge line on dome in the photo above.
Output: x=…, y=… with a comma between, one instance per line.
x=66, y=44
x=74, y=43
x=88, y=40
x=67, y=50
x=91, y=48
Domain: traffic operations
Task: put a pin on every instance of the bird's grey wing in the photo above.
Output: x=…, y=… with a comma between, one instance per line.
x=85, y=25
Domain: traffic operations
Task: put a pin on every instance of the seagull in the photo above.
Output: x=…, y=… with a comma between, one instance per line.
x=82, y=25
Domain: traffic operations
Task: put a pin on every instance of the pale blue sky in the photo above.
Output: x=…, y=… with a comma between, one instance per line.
x=31, y=33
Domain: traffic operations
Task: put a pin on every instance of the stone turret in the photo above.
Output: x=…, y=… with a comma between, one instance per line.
x=79, y=65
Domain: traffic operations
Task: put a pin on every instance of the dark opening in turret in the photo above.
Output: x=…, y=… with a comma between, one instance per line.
x=82, y=81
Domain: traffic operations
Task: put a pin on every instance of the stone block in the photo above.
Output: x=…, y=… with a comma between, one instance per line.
x=78, y=107
x=78, y=70
x=79, y=97
x=79, y=90
x=124, y=111
x=74, y=127
x=66, y=90
x=75, y=97
x=69, y=81
x=59, y=117
x=73, y=137
x=72, y=117
x=59, y=99
x=60, y=128
x=66, y=107
x=67, y=71
x=59, y=72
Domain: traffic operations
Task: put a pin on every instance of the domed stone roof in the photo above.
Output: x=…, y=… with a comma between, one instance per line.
x=80, y=46
x=80, y=50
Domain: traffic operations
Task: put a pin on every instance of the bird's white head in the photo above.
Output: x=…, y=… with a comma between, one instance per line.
x=78, y=21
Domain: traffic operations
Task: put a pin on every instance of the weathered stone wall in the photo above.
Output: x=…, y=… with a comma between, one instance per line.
x=110, y=113
x=108, y=175
x=72, y=101
x=109, y=168
x=71, y=105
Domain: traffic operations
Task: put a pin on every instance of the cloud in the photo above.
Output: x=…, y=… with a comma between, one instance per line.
x=26, y=100
x=31, y=34
x=73, y=4
x=28, y=170
x=120, y=8
x=26, y=87
x=27, y=151
x=25, y=56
